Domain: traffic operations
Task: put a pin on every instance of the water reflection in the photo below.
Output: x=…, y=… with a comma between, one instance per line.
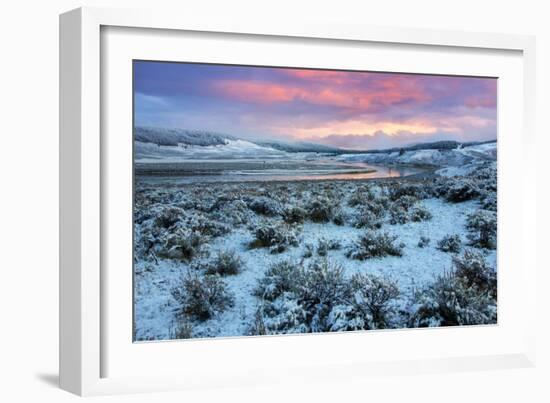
x=360, y=171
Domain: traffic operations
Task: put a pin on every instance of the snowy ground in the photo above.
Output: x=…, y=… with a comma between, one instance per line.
x=228, y=206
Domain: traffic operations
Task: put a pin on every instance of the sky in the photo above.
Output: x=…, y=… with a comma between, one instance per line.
x=346, y=109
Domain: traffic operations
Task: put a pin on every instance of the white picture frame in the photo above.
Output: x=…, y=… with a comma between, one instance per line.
x=83, y=171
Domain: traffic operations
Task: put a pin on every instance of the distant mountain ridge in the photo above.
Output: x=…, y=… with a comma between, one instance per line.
x=435, y=145
x=176, y=137
x=298, y=147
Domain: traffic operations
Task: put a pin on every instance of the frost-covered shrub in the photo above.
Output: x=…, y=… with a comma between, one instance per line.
x=266, y=206
x=461, y=189
x=486, y=178
x=450, y=243
x=146, y=243
x=475, y=272
x=414, y=190
x=369, y=304
x=299, y=299
x=366, y=218
x=488, y=172
x=294, y=215
x=370, y=201
x=419, y=213
x=276, y=237
x=182, y=245
x=338, y=217
x=281, y=277
x=203, y=200
x=345, y=317
x=323, y=281
x=361, y=196
x=423, y=241
x=406, y=202
x=374, y=244
x=324, y=245
x=449, y=301
x=323, y=287
x=168, y=217
x=320, y=209
x=283, y=315
x=235, y=212
x=408, y=209
x=371, y=209
x=318, y=298
x=377, y=206
x=465, y=296
x=201, y=297
x=482, y=225
x=206, y=226
x=398, y=215
x=142, y=214
x=372, y=296
x=220, y=202
x=225, y=263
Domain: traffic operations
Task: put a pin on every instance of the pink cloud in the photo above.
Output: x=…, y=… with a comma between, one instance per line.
x=387, y=92
x=326, y=76
x=258, y=91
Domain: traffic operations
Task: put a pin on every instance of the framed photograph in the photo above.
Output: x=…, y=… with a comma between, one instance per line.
x=246, y=204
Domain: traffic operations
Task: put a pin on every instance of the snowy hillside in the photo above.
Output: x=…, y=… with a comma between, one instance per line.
x=174, y=145
x=229, y=149
x=463, y=157
x=174, y=137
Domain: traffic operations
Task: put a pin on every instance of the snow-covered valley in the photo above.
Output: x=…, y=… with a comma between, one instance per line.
x=246, y=258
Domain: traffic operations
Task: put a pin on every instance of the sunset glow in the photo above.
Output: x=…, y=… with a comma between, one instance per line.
x=359, y=110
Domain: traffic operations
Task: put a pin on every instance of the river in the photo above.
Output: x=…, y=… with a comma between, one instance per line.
x=210, y=171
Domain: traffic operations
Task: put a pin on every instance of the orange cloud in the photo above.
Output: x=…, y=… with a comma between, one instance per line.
x=362, y=128
x=308, y=130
